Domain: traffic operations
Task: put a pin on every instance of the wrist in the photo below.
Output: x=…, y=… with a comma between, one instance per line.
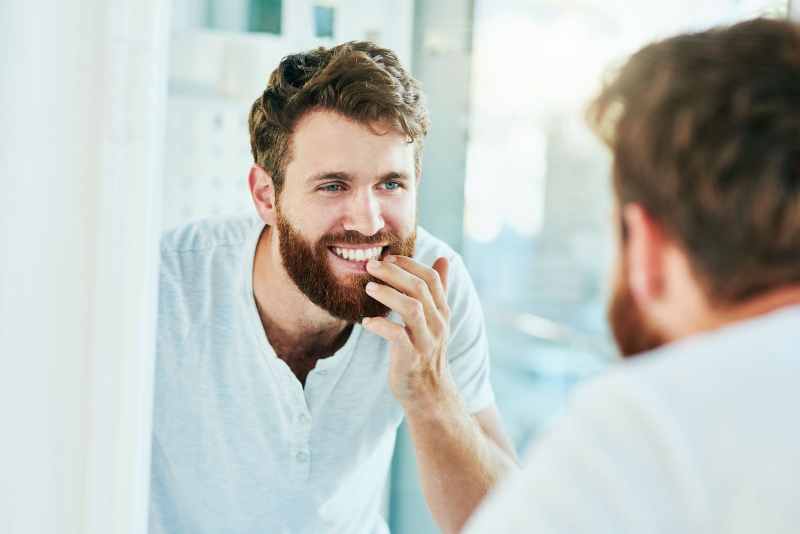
x=433, y=402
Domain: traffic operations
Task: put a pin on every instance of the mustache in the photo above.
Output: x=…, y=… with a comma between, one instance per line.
x=351, y=237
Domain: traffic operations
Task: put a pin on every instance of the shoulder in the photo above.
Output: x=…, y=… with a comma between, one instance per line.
x=732, y=358
x=682, y=390
x=641, y=390
x=202, y=262
x=206, y=234
x=460, y=288
x=206, y=251
x=616, y=450
x=430, y=247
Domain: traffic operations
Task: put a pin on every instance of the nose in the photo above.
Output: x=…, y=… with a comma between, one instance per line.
x=364, y=214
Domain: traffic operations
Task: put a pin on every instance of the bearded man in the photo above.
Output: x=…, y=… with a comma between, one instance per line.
x=291, y=345
x=699, y=433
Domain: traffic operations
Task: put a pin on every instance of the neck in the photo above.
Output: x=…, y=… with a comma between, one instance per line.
x=295, y=326
x=717, y=317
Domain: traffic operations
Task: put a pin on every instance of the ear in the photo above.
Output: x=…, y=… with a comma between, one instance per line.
x=262, y=189
x=646, y=246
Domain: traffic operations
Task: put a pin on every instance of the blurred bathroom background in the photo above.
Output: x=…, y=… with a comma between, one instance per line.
x=512, y=177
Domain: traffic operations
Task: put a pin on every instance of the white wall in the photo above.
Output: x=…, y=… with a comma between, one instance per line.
x=81, y=104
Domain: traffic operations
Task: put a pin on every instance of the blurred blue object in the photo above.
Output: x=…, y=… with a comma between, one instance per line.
x=323, y=21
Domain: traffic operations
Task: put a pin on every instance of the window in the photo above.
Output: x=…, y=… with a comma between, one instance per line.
x=257, y=16
x=323, y=21
x=265, y=16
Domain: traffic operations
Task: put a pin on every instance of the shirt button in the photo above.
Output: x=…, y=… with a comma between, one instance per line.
x=322, y=372
x=301, y=456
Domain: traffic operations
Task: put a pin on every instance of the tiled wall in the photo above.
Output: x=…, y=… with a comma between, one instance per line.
x=207, y=160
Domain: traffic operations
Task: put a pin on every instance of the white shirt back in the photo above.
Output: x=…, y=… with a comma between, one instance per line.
x=239, y=446
x=701, y=437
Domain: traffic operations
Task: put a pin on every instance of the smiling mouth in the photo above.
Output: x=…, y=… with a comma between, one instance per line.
x=358, y=254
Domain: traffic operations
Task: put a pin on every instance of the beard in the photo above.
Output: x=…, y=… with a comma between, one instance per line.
x=632, y=331
x=308, y=267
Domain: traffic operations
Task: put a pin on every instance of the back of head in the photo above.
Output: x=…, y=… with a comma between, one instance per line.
x=705, y=134
x=359, y=80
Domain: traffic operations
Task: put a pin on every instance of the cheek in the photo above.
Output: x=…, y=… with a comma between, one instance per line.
x=400, y=213
x=310, y=226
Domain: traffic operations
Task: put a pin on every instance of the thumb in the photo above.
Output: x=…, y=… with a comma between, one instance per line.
x=441, y=266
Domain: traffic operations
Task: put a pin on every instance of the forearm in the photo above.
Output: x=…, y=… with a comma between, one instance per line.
x=458, y=463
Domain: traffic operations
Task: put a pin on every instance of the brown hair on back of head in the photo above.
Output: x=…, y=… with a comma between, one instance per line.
x=359, y=80
x=705, y=134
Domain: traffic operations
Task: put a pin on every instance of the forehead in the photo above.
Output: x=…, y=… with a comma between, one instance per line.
x=326, y=141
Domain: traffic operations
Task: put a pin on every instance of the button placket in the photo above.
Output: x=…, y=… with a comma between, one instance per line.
x=302, y=453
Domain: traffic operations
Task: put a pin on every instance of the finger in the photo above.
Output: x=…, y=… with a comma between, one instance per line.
x=404, y=281
x=388, y=330
x=410, y=310
x=442, y=268
x=433, y=277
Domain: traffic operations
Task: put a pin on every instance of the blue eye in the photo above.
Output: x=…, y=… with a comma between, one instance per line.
x=331, y=188
x=392, y=185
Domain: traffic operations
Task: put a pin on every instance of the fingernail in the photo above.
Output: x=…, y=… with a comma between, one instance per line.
x=373, y=264
x=371, y=286
x=390, y=259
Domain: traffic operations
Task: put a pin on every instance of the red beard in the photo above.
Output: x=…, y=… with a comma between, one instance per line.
x=633, y=333
x=308, y=267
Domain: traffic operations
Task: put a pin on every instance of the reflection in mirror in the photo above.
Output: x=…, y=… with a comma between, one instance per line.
x=512, y=178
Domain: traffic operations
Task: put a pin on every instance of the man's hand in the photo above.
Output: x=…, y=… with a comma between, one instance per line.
x=418, y=376
x=458, y=462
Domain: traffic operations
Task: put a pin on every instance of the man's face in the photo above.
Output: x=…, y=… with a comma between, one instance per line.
x=633, y=332
x=349, y=195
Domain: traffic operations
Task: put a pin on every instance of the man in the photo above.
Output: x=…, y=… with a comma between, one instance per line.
x=699, y=434
x=281, y=380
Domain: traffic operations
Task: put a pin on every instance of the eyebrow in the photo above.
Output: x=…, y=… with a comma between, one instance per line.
x=347, y=177
x=329, y=175
x=395, y=176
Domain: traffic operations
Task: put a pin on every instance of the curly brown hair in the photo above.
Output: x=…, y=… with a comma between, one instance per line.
x=358, y=79
x=705, y=134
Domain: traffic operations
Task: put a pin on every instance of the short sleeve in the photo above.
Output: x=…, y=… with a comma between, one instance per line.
x=615, y=463
x=468, y=348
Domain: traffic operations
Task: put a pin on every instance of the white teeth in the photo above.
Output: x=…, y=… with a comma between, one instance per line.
x=358, y=254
